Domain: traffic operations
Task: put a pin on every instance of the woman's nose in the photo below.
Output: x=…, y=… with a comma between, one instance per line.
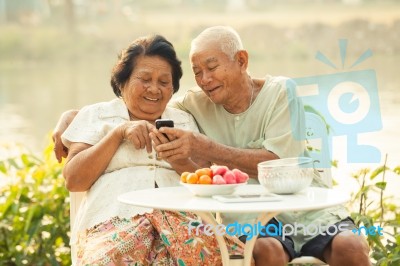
x=153, y=87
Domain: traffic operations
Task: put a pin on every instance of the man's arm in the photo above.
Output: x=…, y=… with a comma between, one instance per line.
x=191, y=144
x=243, y=159
x=66, y=118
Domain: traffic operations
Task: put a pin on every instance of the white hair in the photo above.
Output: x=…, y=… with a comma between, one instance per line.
x=228, y=39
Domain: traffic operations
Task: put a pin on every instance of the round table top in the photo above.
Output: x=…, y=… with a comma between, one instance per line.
x=180, y=199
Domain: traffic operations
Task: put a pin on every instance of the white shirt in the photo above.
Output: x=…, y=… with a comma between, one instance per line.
x=129, y=169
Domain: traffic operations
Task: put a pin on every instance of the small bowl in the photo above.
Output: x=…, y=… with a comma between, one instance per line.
x=211, y=190
x=286, y=176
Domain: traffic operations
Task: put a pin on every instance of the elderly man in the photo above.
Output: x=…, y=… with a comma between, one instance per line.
x=244, y=121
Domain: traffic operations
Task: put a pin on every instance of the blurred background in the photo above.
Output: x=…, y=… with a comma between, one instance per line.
x=57, y=54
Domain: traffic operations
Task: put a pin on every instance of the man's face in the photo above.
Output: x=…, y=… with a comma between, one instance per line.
x=215, y=73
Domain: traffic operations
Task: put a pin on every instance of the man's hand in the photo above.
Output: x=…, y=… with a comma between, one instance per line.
x=181, y=147
x=180, y=161
x=60, y=151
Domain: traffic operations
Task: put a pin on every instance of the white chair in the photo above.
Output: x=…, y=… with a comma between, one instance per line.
x=317, y=139
x=75, y=202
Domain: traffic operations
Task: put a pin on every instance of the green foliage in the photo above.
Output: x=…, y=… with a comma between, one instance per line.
x=372, y=207
x=34, y=211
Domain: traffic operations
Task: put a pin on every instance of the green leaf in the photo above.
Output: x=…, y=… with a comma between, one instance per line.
x=195, y=224
x=13, y=163
x=377, y=171
x=25, y=160
x=381, y=185
x=309, y=108
x=181, y=263
x=397, y=170
x=202, y=255
x=34, y=219
x=3, y=168
x=165, y=240
x=24, y=198
x=377, y=240
x=234, y=247
x=189, y=241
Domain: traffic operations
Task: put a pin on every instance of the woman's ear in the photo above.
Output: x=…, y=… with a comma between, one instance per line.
x=121, y=90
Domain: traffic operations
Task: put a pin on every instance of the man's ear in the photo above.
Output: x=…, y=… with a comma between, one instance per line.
x=243, y=59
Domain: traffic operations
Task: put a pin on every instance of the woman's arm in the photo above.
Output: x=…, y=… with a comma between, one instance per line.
x=86, y=163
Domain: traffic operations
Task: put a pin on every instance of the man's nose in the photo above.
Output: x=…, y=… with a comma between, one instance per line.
x=206, y=78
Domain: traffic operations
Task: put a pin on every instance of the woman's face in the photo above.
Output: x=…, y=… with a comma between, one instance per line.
x=149, y=88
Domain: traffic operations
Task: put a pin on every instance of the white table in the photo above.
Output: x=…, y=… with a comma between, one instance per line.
x=180, y=199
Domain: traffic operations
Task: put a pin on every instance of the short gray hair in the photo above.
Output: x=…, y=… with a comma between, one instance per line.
x=228, y=39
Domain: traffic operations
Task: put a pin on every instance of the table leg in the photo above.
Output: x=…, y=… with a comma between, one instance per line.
x=209, y=218
x=248, y=248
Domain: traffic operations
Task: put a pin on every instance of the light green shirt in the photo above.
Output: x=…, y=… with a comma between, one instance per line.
x=264, y=125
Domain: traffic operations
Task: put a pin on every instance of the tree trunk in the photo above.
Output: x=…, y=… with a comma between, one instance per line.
x=70, y=15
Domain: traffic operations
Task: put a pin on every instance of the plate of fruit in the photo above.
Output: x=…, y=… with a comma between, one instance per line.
x=216, y=180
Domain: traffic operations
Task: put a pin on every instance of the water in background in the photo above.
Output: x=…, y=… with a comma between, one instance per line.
x=33, y=94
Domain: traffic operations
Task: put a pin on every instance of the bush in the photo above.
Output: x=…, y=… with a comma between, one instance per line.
x=371, y=207
x=34, y=211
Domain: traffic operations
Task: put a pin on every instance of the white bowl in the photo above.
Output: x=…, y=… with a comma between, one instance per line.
x=203, y=190
x=286, y=176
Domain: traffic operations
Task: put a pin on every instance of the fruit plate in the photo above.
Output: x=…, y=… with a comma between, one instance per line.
x=201, y=190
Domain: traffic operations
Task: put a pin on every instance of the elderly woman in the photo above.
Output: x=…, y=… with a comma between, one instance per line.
x=110, y=152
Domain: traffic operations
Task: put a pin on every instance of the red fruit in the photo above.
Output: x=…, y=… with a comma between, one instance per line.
x=219, y=169
x=218, y=180
x=241, y=177
x=229, y=177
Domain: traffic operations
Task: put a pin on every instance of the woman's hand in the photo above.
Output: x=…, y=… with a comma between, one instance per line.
x=137, y=132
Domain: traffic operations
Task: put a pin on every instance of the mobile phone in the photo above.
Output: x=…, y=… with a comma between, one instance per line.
x=164, y=123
